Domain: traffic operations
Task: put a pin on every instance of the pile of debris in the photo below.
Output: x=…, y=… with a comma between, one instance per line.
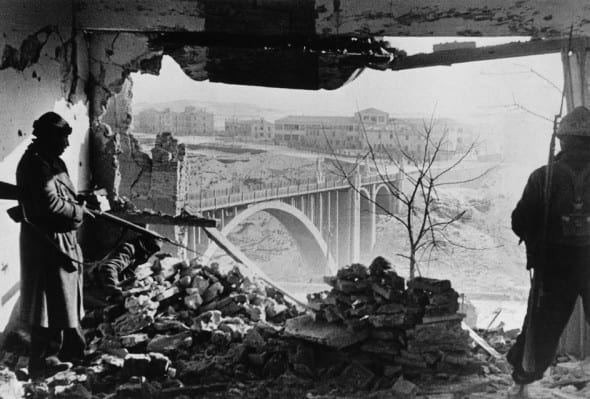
x=417, y=328
x=500, y=339
x=183, y=329
x=179, y=322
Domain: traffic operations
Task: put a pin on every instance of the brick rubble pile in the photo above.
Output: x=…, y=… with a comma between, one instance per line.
x=417, y=328
x=183, y=329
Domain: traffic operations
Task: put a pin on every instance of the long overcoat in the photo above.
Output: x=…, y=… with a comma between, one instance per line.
x=51, y=269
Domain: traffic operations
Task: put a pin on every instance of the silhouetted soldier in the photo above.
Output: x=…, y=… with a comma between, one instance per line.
x=556, y=231
x=51, y=259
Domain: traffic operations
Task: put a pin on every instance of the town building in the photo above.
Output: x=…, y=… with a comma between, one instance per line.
x=322, y=132
x=250, y=129
x=190, y=122
x=373, y=129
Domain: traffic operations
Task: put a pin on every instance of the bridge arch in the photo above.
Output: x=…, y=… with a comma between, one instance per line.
x=309, y=240
x=384, y=200
x=367, y=221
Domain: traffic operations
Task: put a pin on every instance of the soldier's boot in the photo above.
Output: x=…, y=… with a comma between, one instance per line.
x=519, y=391
x=46, y=367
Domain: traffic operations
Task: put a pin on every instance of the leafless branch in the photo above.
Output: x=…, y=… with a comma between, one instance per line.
x=352, y=184
x=455, y=244
x=525, y=109
x=485, y=172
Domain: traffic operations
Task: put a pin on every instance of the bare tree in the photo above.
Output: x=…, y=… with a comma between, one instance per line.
x=422, y=175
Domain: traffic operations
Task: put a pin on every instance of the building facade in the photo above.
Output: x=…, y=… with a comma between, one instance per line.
x=372, y=129
x=250, y=129
x=190, y=122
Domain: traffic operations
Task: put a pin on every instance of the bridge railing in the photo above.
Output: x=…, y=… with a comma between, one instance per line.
x=215, y=199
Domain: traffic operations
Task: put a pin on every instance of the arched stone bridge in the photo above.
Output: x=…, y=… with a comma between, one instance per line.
x=330, y=221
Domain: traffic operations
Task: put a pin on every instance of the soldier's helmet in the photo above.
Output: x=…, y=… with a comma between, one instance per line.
x=51, y=123
x=576, y=123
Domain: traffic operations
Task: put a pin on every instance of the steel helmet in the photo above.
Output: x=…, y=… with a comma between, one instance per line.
x=51, y=123
x=575, y=123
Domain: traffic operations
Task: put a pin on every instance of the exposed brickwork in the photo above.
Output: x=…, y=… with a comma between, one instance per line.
x=104, y=163
x=136, y=171
x=169, y=173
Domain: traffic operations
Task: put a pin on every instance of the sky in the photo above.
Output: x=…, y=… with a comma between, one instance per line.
x=462, y=90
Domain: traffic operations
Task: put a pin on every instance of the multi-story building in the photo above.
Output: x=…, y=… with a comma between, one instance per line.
x=323, y=132
x=191, y=121
x=372, y=128
x=450, y=136
x=337, y=132
x=250, y=130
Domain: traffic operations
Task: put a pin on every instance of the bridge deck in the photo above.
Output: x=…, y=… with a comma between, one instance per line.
x=226, y=199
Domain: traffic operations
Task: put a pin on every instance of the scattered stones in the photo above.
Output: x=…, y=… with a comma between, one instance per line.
x=404, y=389
x=184, y=329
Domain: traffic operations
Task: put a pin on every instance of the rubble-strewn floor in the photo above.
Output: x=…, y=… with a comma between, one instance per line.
x=186, y=330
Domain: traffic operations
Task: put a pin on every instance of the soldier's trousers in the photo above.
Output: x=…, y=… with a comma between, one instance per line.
x=566, y=277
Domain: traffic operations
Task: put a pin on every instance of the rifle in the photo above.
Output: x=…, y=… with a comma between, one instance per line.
x=11, y=192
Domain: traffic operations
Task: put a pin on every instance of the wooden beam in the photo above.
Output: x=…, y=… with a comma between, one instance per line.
x=516, y=49
x=163, y=219
x=481, y=342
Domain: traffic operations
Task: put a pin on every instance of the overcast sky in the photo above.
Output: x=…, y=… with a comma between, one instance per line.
x=462, y=90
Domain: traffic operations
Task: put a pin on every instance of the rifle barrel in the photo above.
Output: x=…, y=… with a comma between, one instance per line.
x=127, y=224
x=9, y=191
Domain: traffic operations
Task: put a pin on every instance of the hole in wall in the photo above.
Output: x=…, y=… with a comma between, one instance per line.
x=495, y=102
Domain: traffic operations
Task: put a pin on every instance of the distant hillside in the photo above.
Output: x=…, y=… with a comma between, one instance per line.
x=220, y=109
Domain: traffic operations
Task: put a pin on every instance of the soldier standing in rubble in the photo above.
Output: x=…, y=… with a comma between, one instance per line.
x=557, y=238
x=51, y=259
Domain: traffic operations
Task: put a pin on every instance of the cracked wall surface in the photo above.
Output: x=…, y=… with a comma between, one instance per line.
x=453, y=17
x=328, y=17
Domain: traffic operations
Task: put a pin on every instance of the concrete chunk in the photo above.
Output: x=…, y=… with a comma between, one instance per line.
x=404, y=389
x=357, y=376
x=333, y=335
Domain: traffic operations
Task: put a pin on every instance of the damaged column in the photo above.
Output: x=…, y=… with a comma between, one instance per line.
x=169, y=185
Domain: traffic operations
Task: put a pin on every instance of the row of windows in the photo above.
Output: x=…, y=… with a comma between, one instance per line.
x=289, y=126
x=367, y=118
